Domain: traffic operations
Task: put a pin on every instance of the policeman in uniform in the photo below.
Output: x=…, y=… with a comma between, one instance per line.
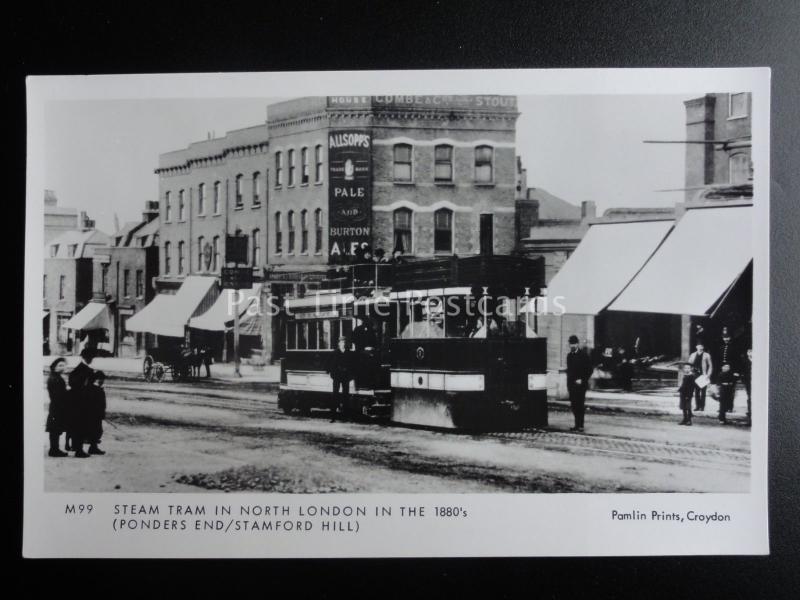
x=579, y=369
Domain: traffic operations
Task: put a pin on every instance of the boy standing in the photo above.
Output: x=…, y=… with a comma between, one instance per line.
x=686, y=391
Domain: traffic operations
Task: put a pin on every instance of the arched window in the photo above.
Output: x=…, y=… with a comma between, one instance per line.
x=201, y=199
x=217, y=197
x=443, y=231
x=484, y=158
x=278, y=169
x=403, y=240
x=443, y=163
x=168, y=207
x=256, y=189
x=278, y=234
x=256, y=247
x=305, y=172
x=291, y=167
x=181, y=206
x=402, y=162
x=167, y=257
x=180, y=258
x=290, y=227
x=318, y=231
x=216, y=261
x=739, y=165
x=304, y=231
x=200, y=262
x=239, y=197
x=318, y=164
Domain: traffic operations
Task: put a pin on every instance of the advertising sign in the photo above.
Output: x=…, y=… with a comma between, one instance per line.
x=350, y=193
x=237, y=278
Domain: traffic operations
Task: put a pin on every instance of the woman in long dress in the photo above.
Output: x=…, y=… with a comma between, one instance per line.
x=57, y=412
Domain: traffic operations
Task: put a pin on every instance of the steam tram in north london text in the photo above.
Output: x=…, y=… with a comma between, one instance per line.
x=446, y=343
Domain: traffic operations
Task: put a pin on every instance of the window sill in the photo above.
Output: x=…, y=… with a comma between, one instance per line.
x=445, y=183
x=737, y=117
x=238, y=207
x=304, y=184
x=201, y=215
x=487, y=184
x=217, y=214
x=256, y=205
x=318, y=182
x=317, y=253
x=409, y=183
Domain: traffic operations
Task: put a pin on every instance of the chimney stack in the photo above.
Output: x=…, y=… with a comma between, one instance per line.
x=588, y=210
x=150, y=211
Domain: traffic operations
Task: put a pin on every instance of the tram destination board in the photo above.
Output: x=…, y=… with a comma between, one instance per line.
x=237, y=278
x=236, y=249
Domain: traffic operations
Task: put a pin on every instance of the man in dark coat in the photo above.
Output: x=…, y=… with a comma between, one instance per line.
x=96, y=412
x=341, y=371
x=745, y=372
x=686, y=392
x=579, y=370
x=79, y=380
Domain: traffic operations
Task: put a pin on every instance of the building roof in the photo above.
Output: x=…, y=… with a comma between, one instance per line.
x=621, y=212
x=561, y=231
x=145, y=236
x=552, y=207
x=84, y=243
x=122, y=237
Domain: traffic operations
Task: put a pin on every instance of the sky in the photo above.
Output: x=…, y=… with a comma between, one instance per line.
x=100, y=154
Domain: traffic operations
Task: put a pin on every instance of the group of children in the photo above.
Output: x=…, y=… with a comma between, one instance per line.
x=77, y=410
x=726, y=382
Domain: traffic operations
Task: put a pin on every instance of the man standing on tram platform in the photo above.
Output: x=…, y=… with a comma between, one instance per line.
x=341, y=372
x=579, y=370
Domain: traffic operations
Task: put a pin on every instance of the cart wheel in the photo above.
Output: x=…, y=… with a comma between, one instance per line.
x=147, y=368
x=158, y=372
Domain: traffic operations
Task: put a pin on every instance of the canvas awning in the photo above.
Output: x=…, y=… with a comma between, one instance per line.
x=605, y=261
x=697, y=264
x=250, y=324
x=94, y=315
x=220, y=316
x=168, y=315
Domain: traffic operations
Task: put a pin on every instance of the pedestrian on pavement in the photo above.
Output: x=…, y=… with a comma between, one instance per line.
x=686, y=391
x=701, y=362
x=79, y=381
x=59, y=406
x=341, y=372
x=95, y=411
x=205, y=355
x=727, y=388
x=579, y=369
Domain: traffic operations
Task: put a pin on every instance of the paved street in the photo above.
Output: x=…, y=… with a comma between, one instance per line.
x=214, y=436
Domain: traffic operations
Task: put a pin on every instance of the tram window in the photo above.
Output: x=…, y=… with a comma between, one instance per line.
x=347, y=329
x=313, y=335
x=324, y=335
x=291, y=336
x=424, y=320
x=301, y=336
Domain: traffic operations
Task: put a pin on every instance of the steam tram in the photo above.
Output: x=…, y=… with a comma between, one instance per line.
x=446, y=343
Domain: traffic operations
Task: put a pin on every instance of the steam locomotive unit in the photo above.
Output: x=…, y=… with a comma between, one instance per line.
x=446, y=343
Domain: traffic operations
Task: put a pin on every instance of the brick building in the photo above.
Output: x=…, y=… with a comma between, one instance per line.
x=325, y=176
x=124, y=273
x=718, y=132
x=67, y=285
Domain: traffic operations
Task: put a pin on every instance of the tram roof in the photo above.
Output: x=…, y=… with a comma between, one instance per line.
x=314, y=300
x=413, y=294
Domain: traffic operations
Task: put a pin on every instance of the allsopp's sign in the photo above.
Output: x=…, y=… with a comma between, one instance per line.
x=349, y=192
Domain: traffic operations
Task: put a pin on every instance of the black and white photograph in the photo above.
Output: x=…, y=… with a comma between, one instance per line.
x=323, y=309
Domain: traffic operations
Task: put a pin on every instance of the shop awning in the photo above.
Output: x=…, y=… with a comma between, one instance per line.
x=94, y=315
x=220, y=316
x=697, y=264
x=250, y=325
x=167, y=315
x=605, y=261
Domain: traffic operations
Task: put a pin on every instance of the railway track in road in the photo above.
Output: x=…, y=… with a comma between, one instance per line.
x=631, y=448
x=610, y=445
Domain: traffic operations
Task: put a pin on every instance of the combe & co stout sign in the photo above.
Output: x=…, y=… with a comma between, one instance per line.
x=350, y=190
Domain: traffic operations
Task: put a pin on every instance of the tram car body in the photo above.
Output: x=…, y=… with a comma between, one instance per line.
x=440, y=358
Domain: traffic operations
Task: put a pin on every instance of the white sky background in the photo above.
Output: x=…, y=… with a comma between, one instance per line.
x=100, y=155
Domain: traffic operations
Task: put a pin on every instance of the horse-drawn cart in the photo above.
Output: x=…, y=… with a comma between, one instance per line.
x=174, y=361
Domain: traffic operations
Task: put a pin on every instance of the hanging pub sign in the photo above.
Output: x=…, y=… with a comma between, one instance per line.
x=236, y=278
x=350, y=191
x=236, y=249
